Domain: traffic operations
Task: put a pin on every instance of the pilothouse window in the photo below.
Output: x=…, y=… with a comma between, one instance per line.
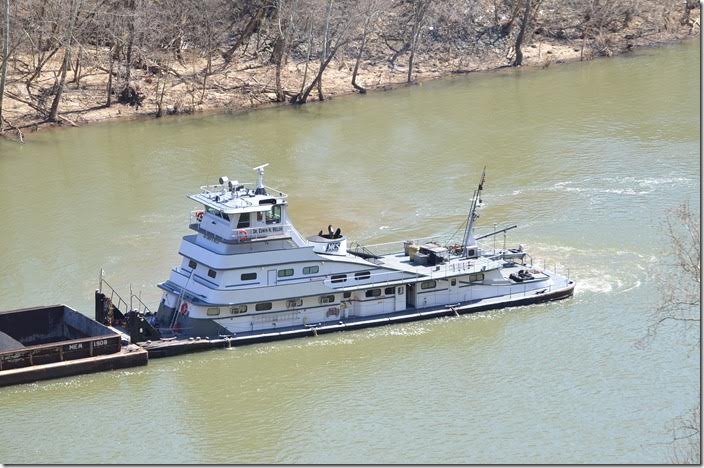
x=243, y=222
x=274, y=215
x=310, y=270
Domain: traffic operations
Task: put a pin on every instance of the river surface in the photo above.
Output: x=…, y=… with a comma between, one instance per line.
x=587, y=158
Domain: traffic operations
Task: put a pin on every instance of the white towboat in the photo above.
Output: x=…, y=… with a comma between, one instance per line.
x=247, y=272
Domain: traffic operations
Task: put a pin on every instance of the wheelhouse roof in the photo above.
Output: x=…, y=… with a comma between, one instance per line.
x=239, y=200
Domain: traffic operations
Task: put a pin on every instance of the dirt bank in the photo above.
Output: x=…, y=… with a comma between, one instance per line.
x=181, y=86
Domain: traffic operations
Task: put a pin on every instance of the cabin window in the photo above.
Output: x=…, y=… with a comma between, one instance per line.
x=192, y=264
x=389, y=291
x=347, y=294
x=294, y=303
x=400, y=290
x=217, y=213
x=453, y=282
x=338, y=278
x=373, y=293
x=273, y=215
x=240, y=309
x=243, y=222
x=248, y=276
x=327, y=299
x=263, y=306
x=213, y=311
x=428, y=284
x=362, y=275
x=474, y=277
x=212, y=273
x=285, y=273
x=311, y=270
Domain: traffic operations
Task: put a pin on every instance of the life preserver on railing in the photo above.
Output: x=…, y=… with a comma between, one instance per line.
x=199, y=215
x=242, y=234
x=184, y=309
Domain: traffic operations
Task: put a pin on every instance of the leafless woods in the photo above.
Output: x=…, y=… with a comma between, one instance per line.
x=63, y=57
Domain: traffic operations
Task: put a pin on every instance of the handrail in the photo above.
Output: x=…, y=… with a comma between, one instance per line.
x=143, y=308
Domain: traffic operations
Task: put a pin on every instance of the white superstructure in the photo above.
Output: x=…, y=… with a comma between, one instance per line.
x=246, y=269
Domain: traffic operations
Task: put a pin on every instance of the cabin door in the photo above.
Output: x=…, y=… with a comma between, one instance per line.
x=272, y=277
x=410, y=295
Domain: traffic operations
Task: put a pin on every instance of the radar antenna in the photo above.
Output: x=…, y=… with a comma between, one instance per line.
x=260, y=179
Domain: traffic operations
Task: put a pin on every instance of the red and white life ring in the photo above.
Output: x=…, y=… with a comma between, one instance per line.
x=199, y=215
x=184, y=309
x=242, y=234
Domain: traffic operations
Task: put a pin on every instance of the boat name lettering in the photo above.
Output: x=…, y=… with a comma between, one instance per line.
x=332, y=247
x=100, y=343
x=76, y=346
x=269, y=229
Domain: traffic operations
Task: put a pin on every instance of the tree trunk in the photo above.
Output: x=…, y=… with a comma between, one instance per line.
x=359, y=88
x=278, y=57
x=419, y=14
x=130, y=41
x=324, y=51
x=302, y=98
x=5, y=57
x=54, y=112
x=108, y=101
x=305, y=70
x=518, y=61
x=77, y=68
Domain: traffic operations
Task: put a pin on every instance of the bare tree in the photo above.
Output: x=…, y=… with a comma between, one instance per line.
x=54, y=112
x=529, y=11
x=335, y=35
x=420, y=8
x=681, y=294
x=680, y=303
x=5, y=57
x=370, y=14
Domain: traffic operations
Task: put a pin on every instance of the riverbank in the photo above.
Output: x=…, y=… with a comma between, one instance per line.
x=183, y=87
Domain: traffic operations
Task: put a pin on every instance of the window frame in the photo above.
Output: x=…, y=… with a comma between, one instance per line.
x=327, y=299
x=240, y=309
x=341, y=278
x=309, y=270
x=427, y=284
x=376, y=292
x=242, y=276
x=284, y=273
x=263, y=306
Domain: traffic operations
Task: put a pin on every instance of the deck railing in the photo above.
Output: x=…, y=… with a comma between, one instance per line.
x=135, y=301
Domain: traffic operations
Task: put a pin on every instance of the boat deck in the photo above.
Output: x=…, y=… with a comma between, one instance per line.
x=455, y=267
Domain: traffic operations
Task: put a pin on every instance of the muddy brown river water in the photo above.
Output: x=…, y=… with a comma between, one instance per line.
x=587, y=158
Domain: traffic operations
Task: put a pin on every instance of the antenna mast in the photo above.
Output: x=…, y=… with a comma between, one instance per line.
x=469, y=240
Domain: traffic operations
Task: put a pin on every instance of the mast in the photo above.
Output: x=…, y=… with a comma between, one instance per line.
x=469, y=240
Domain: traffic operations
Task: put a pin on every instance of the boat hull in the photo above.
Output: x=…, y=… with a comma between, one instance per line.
x=187, y=344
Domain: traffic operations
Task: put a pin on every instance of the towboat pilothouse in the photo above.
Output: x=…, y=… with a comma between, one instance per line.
x=246, y=271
